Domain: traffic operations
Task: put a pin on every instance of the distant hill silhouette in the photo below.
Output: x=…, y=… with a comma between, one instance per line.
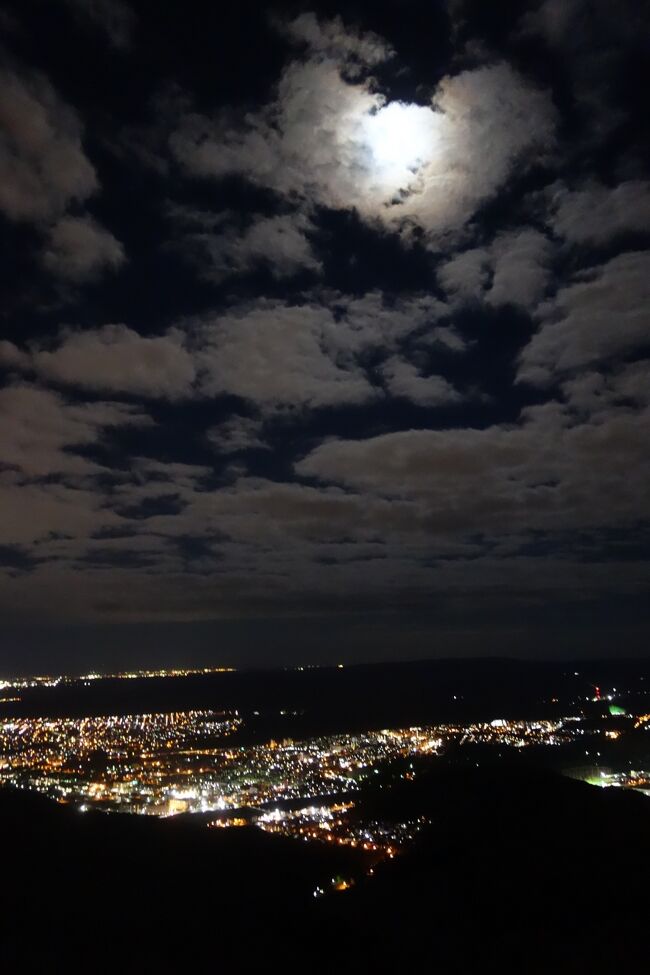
x=328, y=700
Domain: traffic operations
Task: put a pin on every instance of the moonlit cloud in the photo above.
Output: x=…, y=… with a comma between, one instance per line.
x=220, y=248
x=275, y=354
x=512, y=270
x=547, y=472
x=339, y=143
x=338, y=41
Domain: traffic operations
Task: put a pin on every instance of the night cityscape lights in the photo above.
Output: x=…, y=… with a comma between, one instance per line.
x=50, y=680
x=134, y=763
x=169, y=763
x=334, y=824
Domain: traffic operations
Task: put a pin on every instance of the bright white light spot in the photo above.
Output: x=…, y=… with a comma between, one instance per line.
x=401, y=138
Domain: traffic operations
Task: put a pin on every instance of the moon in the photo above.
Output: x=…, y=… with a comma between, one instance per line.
x=401, y=138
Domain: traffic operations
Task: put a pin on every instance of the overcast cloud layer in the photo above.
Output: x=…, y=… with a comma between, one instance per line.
x=354, y=329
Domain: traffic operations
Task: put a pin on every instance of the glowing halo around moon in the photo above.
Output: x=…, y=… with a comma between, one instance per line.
x=401, y=138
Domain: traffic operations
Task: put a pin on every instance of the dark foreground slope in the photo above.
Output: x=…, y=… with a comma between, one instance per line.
x=87, y=890
x=519, y=872
x=522, y=871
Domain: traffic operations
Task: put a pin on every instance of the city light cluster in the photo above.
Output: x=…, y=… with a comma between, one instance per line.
x=176, y=762
x=337, y=825
x=122, y=762
x=50, y=680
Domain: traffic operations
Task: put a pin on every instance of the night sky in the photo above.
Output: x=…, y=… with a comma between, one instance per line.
x=325, y=331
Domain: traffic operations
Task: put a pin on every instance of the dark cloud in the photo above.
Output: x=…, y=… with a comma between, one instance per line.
x=111, y=358
x=404, y=379
x=601, y=314
x=114, y=18
x=594, y=214
x=599, y=44
x=43, y=166
x=39, y=426
x=236, y=434
x=79, y=250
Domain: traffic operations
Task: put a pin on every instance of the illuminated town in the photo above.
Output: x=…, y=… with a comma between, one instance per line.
x=57, y=680
x=180, y=762
x=338, y=825
x=199, y=761
x=162, y=764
